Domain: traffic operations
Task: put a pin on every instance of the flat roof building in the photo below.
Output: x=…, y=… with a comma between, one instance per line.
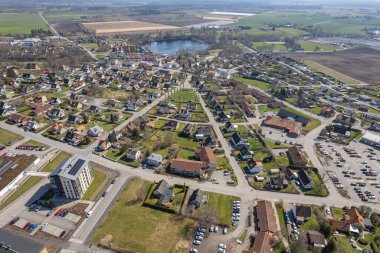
x=371, y=140
x=72, y=177
x=13, y=243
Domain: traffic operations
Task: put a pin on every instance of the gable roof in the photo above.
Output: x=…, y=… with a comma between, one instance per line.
x=316, y=237
x=304, y=177
x=266, y=216
x=354, y=217
x=296, y=156
x=303, y=211
x=187, y=165
x=262, y=243
x=286, y=114
x=206, y=155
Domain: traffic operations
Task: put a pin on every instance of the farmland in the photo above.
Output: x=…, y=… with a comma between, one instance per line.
x=124, y=27
x=359, y=63
x=20, y=23
x=326, y=23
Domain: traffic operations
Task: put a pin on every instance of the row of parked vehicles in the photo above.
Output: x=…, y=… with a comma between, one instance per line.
x=30, y=227
x=35, y=148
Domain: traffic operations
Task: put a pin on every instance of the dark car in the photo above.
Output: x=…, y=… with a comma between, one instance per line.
x=14, y=220
x=62, y=234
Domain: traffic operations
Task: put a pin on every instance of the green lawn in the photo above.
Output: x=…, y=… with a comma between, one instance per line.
x=311, y=224
x=99, y=178
x=311, y=46
x=243, y=235
x=272, y=144
x=34, y=143
x=256, y=83
x=50, y=166
x=133, y=227
x=269, y=46
x=20, y=23
x=314, y=123
x=281, y=218
x=282, y=160
x=187, y=142
x=186, y=154
x=320, y=188
x=255, y=143
x=223, y=206
x=343, y=244
x=184, y=96
x=7, y=137
x=28, y=183
x=265, y=108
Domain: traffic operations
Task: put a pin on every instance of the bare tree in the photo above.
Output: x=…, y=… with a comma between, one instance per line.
x=207, y=216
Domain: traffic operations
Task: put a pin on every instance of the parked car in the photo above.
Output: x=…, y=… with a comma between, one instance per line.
x=196, y=242
x=225, y=231
x=222, y=246
x=62, y=234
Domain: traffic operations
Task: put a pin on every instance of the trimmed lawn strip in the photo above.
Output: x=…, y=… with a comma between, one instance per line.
x=34, y=143
x=52, y=164
x=26, y=185
x=99, y=178
x=7, y=137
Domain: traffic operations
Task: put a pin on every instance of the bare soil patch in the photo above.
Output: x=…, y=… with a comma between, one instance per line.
x=361, y=63
x=124, y=27
x=69, y=27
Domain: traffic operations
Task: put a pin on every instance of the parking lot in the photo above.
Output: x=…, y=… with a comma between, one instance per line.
x=214, y=238
x=55, y=223
x=277, y=135
x=355, y=168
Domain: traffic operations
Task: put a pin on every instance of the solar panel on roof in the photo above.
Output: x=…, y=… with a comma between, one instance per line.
x=74, y=170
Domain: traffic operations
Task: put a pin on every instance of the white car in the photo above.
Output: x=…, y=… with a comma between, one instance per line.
x=225, y=231
x=199, y=238
x=89, y=214
x=216, y=228
x=222, y=246
x=196, y=242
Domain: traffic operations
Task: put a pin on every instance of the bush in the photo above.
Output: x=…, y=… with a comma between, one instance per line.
x=363, y=241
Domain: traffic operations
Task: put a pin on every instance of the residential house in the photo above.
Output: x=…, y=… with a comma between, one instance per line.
x=210, y=142
x=18, y=118
x=262, y=243
x=187, y=168
x=301, y=213
x=95, y=131
x=276, y=104
x=202, y=132
x=306, y=182
x=154, y=159
x=239, y=142
x=32, y=125
x=95, y=109
x=328, y=112
x=296, y=157
x=246, y=154
x=118, y=116
x=40, y=99
x=352, y=222
x=316, y=239
x=76, y=105
x=112, y=102
x=196, y=198
x=254, y=167
x=6, y=109
x=132, y=107
x=57, y=129
x=206, y=155
x=56, y=113
x=103, y=145
x=230, y=128
x=55, y=101
x=40, y=110
x=171, y=125
x=163, y=192
x=191, y=106
x=73, y=119
x=278, y=182
x=133, y=154
x=183, y=114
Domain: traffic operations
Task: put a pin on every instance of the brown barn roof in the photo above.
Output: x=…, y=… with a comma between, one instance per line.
x=296, y=156
x=187, y=165
x=266, y=216
x=206, y=155
x=262, y=243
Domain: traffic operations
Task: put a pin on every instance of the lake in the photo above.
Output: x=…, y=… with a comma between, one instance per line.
x=172, y=47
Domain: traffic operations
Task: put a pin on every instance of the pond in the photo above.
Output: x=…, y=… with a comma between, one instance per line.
x=172, y=47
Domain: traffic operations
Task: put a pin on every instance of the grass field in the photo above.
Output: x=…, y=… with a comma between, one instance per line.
x=311, y=46
x=28, y=183
x=131, y=226
x=124, y=27
x=7, y=137
x=288, y=32
x=20, y=23
x=49, y=167
x=34, y=143
x=269, y=46
x=326, y=23
x=222, y=205
x=330, y=72
x=99, y=178
x=256, y=83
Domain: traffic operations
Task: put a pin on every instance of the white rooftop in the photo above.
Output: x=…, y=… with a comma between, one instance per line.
x=372, y=137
